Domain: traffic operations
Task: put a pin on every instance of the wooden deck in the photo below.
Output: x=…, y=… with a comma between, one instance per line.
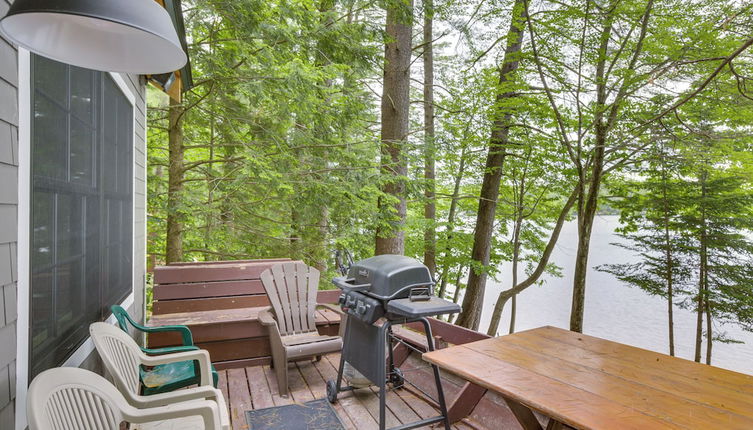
x=256, y=387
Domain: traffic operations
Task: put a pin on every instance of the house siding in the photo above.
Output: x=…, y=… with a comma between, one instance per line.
x=9, y=217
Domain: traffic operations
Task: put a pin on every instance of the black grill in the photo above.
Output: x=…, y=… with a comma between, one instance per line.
x=378, y=293
x=391, y=286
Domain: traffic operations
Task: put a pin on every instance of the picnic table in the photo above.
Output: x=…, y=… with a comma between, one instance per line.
x=591, y=383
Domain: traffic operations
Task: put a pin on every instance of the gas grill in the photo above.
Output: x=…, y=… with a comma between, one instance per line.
x=380, y=292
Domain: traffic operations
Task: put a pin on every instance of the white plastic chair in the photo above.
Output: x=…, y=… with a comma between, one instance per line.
x=122, y=357
x=67, y=398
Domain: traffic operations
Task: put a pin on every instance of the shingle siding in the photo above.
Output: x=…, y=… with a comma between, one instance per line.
x=8, y=147
x=8, y=111
x=8, y=184
x=8, y=223
x=8, y=72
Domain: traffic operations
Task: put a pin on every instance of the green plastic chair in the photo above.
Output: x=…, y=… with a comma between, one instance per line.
x=164, y=378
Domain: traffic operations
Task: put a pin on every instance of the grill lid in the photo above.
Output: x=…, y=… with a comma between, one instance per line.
x=386, y=277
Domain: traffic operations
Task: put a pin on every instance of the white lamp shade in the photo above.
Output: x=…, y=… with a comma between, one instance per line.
x=129, y=36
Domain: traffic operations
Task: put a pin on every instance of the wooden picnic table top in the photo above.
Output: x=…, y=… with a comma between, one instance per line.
x=591, y=383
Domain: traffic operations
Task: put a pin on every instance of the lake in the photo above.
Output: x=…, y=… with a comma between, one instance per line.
x=614, y=310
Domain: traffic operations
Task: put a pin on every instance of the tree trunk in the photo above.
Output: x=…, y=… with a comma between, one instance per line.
x=504, y=296
x=501, y=123
x=515, y=258
x=699, y=318
x=174, y=236
x=588, y=201
x=703, y=273
x=585, y=226
x=669, y=262
x=323, y=230
x=321, y=251
x=390, y=237
x=456, y=294
x=709, y=328
x=451, y=222
x=430, y=209
x=210, y=213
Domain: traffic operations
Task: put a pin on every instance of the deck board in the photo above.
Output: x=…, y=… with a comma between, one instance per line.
x=240, y=397
x=316, y=383
x=351, y=405
x=256, y=388
x=261, y=394
x=269, y=373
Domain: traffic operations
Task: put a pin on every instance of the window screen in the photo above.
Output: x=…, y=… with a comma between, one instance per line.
x=81, y=206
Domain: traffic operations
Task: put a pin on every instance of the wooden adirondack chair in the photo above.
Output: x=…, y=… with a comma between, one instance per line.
x=67, y=398
x=123, y=358
x=292, y=288
x=171, y=376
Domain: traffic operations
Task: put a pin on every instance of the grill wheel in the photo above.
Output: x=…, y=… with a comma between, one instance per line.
x=331, y=391
x=397, y=379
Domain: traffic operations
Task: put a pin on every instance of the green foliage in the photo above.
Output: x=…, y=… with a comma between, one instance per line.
x=282, y=151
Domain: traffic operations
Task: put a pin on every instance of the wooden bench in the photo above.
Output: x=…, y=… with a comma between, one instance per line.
x=220, y=303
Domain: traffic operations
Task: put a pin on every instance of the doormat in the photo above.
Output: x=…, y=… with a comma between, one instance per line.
x=313, y=415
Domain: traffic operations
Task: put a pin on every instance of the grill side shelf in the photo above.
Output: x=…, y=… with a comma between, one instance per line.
x=432, y=307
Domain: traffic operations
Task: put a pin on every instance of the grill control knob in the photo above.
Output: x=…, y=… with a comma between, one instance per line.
x=361, y=309
x=341, y=299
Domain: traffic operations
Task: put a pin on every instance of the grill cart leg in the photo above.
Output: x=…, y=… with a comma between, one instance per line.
x=384, y=338
x=440, y=391
x=334, y=387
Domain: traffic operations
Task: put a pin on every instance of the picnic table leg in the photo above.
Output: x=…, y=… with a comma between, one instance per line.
x=525, y=417
x=554, y=425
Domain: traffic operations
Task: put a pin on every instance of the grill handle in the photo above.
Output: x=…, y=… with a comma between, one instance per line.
x=421, y=294
x=346, y=284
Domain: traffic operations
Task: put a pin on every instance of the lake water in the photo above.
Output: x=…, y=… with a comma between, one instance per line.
x=614, y=310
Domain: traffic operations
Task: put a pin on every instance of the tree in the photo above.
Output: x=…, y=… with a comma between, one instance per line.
x=650, y=216
x=176, y=170
x=278, y=118
x=598, y=96
x=430, y=207
x=390, y=237
x=502, y=113
x=717, y=216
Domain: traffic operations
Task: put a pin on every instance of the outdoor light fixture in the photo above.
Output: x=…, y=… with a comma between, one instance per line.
x=130, y=36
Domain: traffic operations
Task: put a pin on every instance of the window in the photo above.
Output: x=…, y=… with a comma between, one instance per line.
x=81, y=206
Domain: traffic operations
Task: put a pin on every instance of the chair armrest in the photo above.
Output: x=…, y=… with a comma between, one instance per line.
x=169, y=349
x=200, y=355
x=163, y=399
x=275, y=338
x=185, y=332
x=266, y=317
x=208, y=410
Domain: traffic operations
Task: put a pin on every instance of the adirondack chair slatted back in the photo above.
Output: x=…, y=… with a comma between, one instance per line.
x=292, y=289
x=120, y=354
x=72, y=398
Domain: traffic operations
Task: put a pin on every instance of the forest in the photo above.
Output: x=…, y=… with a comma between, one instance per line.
x=466, y=133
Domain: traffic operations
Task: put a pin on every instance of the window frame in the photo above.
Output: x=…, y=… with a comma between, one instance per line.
x=85, y=348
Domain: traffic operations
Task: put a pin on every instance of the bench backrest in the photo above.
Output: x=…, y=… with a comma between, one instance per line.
x=206, y=286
